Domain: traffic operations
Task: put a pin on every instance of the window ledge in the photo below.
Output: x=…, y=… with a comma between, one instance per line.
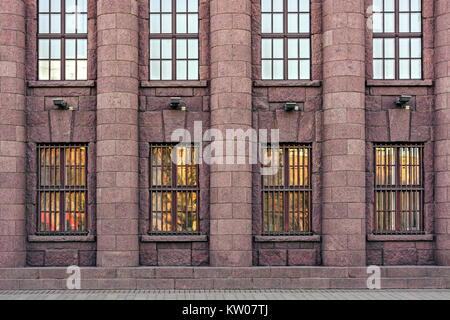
x=287, y=83
x=174, y=238
x=400, y=237
x=58, y=84
x=174, y=84
x=35, y=238
x=399, y=83
x=311, y=238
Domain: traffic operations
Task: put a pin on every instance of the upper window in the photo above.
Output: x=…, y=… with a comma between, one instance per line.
x=174, y=189
x=285, y=40
x=62, y=189
x=397, y=39
x=398, y=189
x=62, y=40
x=174, y=50
x=286, y=195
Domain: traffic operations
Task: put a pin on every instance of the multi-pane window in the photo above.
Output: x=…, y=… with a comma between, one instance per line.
x=174, y=43
x=286, y=195
x=285, y=40
x=398, y=189
x=62, y=40
x=397, y=39
x=62, y=189
x=174, y=189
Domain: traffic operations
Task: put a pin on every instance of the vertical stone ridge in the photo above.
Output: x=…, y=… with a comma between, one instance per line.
x=343, y=224
x=117, y=133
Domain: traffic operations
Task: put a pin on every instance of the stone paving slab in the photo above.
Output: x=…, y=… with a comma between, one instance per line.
x=226, y=295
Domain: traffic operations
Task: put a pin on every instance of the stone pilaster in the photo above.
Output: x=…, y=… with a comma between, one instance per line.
x=442, y=132
x=12, y=133
x=231, y=108
x=117, y=133
x=343, y=224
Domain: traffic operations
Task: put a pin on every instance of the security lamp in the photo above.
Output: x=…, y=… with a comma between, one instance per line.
x=175, y=103
x=61, y=104
x=291, y=106
x=402, y=101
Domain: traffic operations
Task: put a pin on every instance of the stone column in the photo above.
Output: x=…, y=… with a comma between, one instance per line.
x=231, y=108
x=343, y=215
x=442, y=132
x=117, y=133
x=12, y=133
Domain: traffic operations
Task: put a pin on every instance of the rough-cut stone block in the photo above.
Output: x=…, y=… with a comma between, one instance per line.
x=301, y=257
x=176, y=257
x=400, y=256
x=269, y=257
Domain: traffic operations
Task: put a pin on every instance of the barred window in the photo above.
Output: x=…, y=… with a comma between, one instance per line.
x=62, y=40
x=62, y=189
x=286, y=40
x=398, y=189
x=286, y=195
x=174, y=189
x=174, y=44
x=397, y=39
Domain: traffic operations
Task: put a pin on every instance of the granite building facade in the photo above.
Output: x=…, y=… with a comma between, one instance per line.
x=79, y=183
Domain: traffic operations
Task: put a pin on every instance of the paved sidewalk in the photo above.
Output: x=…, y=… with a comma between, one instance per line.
x=427, y=294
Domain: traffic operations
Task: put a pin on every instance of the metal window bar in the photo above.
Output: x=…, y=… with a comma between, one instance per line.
x=285, y=35
x=399, y=189
x=174, y=191
x=286, y=195
x=62, y=189
x=62, y=36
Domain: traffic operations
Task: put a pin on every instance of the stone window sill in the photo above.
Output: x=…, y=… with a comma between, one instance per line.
x=59, y=84
x=174, y=238
x=400, y=237
x=35, y=238
x=287, y=83
x=174, y=84
x=311, y=238
x=399, y=83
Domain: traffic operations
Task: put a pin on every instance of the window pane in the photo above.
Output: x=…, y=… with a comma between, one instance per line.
x=278, y=48
x=292, y=23
x=44, y=6
x=389, y=48
x=389, y=69
x=193, y=5
x=389, y=5
x=166, y=70
x=278, y=5
x=377, y=22
x=278, y=23
x=278, y=69
x=82, y=49
x=404, y=22
x=181, y=49
x=44, y=45
x=404, y=69
x=416, y=69
x=266, y=69
x=56, y=23
x=266, y=48
x=293, y=69
x=416, y=22
x=389, y=22
x=266, y=23
x=44, y=24
x=154, y=70
x=70, y=70
x=377, y=5
x=70, y=6
x=70, y=49
x=70, y=23
x=82, y=23
x=82, y=70
x=192, y=23
x=416, y=5
x=193, y=70
x=166, y=23
x=56, y=5
x=292, y=5
x=304, y=48
x=304, y=23
x=305, y=70
x=181, y=23
x=293, y=48
x=181, y=6
x=155, y=52
x=82, y=5
x=304, y=5
x=378, y=48
x=155, y=5
x=55, y=70
x=266, y=5
x=155, y=23
x=166, y=49
x=192, y=49
x=378, y=69
x=181, y=70
x=44, y=69
x=55, y=49
x=166, y=6
x=416, y=48
x=403, y=47
x=404, y=5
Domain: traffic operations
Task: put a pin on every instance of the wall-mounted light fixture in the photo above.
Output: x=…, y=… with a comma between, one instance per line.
x=61, y=104
x=175, y=103
x=291, y=106
x=402, y=102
